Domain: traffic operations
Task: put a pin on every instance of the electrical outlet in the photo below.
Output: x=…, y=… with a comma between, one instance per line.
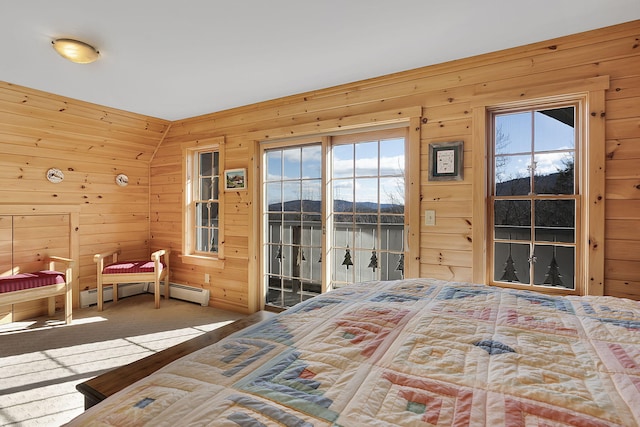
x=207, y=278
x=429, y=217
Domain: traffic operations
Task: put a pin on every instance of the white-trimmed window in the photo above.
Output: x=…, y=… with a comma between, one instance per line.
x=203, y=232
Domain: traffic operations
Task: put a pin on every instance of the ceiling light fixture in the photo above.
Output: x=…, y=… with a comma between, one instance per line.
x=75, y=50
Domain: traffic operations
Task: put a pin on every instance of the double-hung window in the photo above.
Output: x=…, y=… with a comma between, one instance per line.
x=535, y=196
x=202, y=226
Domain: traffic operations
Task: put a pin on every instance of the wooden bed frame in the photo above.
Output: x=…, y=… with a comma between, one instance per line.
x=99, y=388
x=48, y=291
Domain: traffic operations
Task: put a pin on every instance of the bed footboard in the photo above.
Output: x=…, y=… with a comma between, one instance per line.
x=99, y=388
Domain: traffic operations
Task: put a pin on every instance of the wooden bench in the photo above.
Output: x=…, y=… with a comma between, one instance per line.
x=42, y=284
x=152, y=270
x=99, y=388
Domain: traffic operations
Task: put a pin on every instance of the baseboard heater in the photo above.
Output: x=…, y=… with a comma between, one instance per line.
x=181, y=292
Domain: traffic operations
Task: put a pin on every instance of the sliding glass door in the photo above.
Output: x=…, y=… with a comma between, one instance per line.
x=293, y=224
x=367, y=208
x=333, y=214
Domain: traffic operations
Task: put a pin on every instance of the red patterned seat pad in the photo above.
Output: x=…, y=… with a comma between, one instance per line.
x=18, y=282
x=130, y=267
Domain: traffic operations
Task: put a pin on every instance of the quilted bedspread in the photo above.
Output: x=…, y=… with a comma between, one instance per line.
x=416, y=352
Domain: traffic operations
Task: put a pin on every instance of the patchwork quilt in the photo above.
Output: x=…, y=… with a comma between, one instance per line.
x=417, y=352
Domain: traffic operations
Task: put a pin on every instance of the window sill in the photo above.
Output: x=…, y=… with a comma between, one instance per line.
x=204, y=261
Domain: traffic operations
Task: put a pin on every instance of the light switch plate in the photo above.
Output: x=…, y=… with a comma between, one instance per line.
x=429, y=217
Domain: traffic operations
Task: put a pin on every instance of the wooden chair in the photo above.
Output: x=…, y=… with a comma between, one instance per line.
x=153, y=270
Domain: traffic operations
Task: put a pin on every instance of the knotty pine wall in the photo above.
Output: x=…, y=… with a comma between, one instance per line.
x=446, y=93
x=91, y=144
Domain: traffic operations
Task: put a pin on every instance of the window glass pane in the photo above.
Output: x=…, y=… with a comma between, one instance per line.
x=214, y=240
x=206, y=192
x=215, y=188
x=366, y=195
x=391, y=266
x=343, y=195
x=202, y=239
x=512, y=219
x=512, y=175
x=274, y=165
x=290, y=225
x=340, y=272
x=274, y=196
x=392, y=157
x=554, y=129
x=213, y=212
x=367, y=265
x=366, y=158
x=511, y=262
x=311, y=268
x=554, y=266
x=392, y=235
x=306, y=296
x=274, y=231
x=274, y=291
x=311, y=287
x=343, y=231
x=206, y=164
x=292, y=163
x=342, y=163
x=312, y=195
x=275, y=259
x=283, y=256
x=555, y=220
x=287, y=285
x=554, y=173
x=513, y=133
x=311, y=161
x=202, y=214
x=392, y=195
x=364, y=232
x=216, y=164
x=291, y=192
x=311, y=230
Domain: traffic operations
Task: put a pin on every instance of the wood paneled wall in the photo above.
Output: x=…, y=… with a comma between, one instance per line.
x=446, y=93
x=91, y=144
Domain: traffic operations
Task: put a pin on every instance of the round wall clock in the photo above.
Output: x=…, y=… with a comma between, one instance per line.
x=122, y=180
x=55, y=175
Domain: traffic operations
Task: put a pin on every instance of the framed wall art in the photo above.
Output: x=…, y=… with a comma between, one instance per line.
x=235, y=179
x=445, y=161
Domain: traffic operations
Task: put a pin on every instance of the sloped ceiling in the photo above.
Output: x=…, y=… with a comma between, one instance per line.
x=174, y=59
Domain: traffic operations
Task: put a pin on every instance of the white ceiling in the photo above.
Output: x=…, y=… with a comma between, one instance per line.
x=174, y=59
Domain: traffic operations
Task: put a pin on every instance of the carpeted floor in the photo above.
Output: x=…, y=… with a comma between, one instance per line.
x=42, y=360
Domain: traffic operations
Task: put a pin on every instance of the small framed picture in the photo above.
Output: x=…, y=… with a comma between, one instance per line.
x=445, y=161
x=235, y=179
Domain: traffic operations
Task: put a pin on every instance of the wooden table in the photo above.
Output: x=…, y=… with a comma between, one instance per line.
x=99, y=388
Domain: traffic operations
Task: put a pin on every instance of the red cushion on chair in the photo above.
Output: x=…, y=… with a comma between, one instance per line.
x=131, y=267
x=21, y=281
